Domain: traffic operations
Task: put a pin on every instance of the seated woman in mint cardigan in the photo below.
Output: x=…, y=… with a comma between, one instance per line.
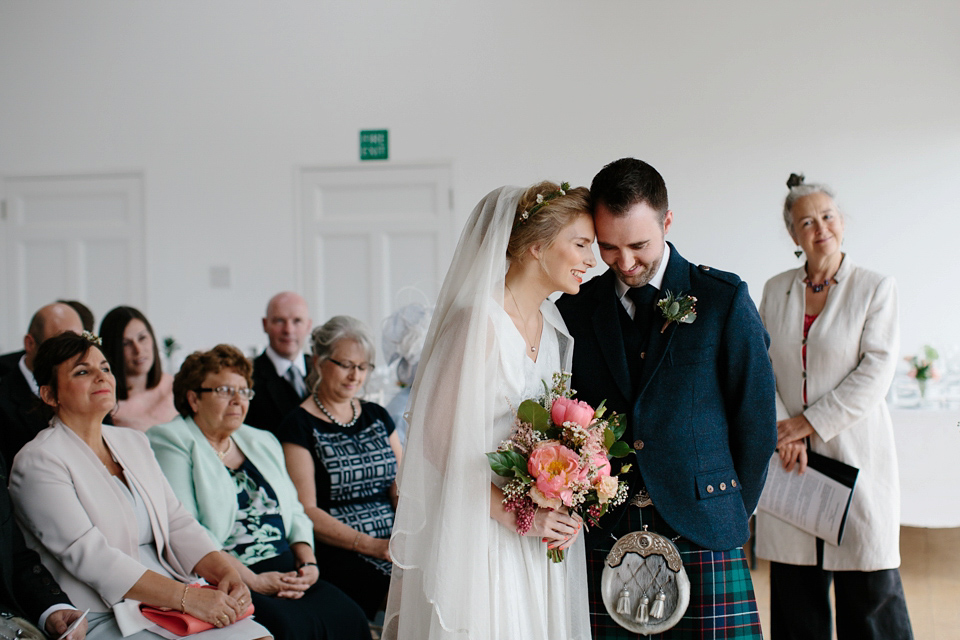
x=233, y=479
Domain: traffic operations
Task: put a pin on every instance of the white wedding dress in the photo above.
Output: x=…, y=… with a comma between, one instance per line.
x=529, y=591
x=458, y=573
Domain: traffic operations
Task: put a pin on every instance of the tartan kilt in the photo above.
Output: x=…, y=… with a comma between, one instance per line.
x=722, y=601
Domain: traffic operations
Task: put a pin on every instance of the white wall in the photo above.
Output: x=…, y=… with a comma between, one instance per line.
x=219, y=102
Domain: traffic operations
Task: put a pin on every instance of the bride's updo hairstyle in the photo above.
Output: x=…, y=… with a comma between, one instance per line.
x=543, y=210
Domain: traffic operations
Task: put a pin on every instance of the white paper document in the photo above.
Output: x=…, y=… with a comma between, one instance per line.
x=814, y=501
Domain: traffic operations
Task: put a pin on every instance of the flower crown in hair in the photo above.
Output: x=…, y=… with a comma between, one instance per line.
x=541, y=201
x=91, y=338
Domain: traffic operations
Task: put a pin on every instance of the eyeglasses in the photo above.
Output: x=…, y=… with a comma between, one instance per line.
x=229, y=392
x=363, y=367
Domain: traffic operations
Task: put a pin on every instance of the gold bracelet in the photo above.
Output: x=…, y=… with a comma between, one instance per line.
x=183, y=600
x=356, y=541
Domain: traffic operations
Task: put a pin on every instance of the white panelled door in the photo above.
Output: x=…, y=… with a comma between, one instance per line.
x=374, y=239
x=70, y=237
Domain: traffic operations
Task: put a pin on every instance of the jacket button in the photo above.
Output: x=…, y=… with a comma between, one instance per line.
x=638, y=444
x=37, y=569
x=55, y=591
x=723, y=486
x=44, y=580
x=709, y=488
x=733, y=483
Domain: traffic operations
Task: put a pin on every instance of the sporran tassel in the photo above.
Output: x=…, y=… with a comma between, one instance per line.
x=656, y=611
x=643, y=617
x=623, y=602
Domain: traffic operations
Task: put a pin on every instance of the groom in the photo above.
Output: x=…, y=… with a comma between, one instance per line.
x=698, y=399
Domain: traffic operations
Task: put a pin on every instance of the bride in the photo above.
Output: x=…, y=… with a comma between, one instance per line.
x=461, y=570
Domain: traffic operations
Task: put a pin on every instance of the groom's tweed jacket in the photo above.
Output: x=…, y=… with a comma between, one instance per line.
x=702, y=417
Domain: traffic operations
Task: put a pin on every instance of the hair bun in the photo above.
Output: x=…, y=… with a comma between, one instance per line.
x=795, y=180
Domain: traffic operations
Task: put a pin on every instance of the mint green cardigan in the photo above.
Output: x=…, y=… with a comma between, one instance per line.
x=207, y=490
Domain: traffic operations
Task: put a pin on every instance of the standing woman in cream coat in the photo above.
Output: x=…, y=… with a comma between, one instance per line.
x=834, y=341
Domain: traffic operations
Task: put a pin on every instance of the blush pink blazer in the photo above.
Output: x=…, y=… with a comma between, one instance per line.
x=83, y=526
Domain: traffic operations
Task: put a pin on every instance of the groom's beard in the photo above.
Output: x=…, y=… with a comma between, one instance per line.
x=641, y=277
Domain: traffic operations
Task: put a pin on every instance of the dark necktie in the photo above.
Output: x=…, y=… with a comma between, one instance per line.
x=295, y=378
x=643, y=299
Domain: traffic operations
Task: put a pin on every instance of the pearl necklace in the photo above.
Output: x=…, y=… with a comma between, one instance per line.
x=323, y=409
x=223, y=454
x=533, y=348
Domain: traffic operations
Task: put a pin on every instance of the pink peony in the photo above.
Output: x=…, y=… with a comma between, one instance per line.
x=570, y=410
x=555, y=469
x=603, y=467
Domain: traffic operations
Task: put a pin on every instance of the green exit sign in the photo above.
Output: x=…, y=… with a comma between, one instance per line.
x=373, y=145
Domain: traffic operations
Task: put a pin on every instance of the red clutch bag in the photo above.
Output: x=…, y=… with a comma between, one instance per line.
x=182, y=624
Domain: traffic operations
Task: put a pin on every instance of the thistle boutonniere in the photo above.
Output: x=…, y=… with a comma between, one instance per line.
x=677, y=308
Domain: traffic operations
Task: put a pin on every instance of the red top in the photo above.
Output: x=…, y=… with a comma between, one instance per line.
x=807, y=322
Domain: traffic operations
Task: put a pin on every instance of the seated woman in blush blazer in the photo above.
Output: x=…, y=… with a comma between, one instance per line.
x=93, y=502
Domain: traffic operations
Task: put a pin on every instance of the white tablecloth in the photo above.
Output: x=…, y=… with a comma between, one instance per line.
x=928, y=450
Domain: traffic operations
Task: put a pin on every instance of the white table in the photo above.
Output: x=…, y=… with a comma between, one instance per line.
x=928, y=450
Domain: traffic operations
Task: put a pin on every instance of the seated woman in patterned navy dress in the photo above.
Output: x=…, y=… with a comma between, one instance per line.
x=233, y=479
x=342, y=455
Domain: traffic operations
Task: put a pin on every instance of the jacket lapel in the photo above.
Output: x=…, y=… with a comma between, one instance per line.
x=606, y=325
x=676, y=279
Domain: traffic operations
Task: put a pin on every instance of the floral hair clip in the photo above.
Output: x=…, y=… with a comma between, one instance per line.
x=541, y=201
x=92, y=338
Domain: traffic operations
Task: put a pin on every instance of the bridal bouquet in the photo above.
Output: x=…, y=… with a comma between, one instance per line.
x=559, y=456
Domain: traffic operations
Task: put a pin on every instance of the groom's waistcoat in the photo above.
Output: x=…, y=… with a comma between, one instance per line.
x=701, y=417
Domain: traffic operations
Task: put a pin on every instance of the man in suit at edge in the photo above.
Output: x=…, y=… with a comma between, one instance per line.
x=21, y=417
x=10, y=361
x=27, y=590
x=280, y=372
x=698, y=399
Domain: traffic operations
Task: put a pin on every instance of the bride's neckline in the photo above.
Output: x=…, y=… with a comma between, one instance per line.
x=521, y=338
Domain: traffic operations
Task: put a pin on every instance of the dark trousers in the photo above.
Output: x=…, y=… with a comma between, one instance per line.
x=870, y=604
x=323, y=613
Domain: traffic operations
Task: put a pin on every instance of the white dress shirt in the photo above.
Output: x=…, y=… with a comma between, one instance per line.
x=282, y=364
x=656, y=281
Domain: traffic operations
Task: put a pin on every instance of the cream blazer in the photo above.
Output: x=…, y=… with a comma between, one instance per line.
x=76, y=517
x=852, y=352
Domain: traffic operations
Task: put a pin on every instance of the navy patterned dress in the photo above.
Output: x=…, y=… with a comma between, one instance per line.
x=354, y=470
x=259, y=541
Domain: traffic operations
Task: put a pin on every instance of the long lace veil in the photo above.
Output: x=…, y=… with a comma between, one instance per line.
x=440, y=585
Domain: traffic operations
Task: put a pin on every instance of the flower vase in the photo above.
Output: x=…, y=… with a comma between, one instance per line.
x=923, y=387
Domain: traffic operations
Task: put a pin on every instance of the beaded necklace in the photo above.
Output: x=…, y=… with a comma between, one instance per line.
x=323, y=409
